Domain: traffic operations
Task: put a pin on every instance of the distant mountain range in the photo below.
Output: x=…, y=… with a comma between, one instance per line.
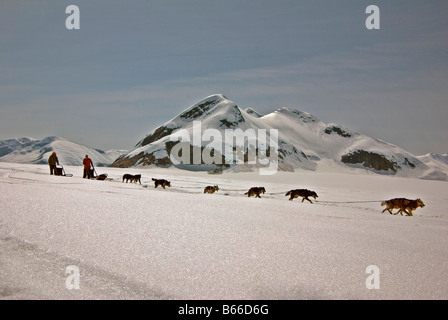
x=436, y=163
x=30, y=150
x=304, y=142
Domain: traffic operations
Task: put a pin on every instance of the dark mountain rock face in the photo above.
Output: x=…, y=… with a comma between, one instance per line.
x=338, y=130
x=200, y=109
x=159, y=133
x=369, y=160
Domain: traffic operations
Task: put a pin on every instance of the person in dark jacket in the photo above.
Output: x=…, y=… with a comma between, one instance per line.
x=87, y=162
x=52, y=162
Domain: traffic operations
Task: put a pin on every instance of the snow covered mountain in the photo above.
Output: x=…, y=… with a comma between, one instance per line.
x=34, y=151
x=304, y=142
x=437, y=162
x=10, y=145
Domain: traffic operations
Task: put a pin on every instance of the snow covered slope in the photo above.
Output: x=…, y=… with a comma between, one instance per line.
x=30, y=150
x=132, y=241
x=304, y=142
x=438, y=164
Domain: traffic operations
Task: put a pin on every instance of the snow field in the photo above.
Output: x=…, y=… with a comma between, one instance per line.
x=132, y=241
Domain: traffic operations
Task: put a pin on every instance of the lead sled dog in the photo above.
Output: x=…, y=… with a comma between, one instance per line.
x=403, y=205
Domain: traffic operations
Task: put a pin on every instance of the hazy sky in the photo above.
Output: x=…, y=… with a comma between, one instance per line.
x=134, y=65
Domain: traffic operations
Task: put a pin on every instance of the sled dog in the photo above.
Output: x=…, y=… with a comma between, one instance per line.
x=211, y=189
x=255, y=191
x=304, y=193
x=402, y=204
x=132, y=178
x=137, y=178
x=161, y=182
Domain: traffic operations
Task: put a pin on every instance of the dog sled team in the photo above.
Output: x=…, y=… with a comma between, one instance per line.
x=402, y=204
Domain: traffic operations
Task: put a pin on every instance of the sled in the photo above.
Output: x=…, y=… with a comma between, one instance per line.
x=97, y=176
x=59, y=171
x=92, y=173
x=102, y=176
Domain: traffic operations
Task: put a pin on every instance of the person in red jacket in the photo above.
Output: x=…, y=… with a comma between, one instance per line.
x=87, y=162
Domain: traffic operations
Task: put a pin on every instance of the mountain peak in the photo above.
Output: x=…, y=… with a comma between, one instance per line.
x=253, y=112
x=214, y=111
x=304, y=116
x=202, y=107
x=217, y=96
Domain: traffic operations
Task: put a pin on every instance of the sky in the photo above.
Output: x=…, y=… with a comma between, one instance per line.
x=133, y=65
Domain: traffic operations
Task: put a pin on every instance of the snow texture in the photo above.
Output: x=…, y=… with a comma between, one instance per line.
x=133, y=241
